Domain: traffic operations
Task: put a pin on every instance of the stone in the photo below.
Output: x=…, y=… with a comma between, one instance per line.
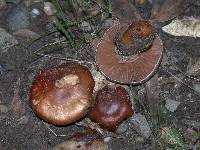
x=171, y=105
x=3, y=71
x=18, y=18
x=122, y=128
x=107, y=139
x=108, y=23
x=26, y=33
x=2, y=4
x=86, y=26
x=35, y=12
x=141, y=125
x=6, y=40
x=49, y=8
x=140, y=2
x=3, y=108
x=197, y=87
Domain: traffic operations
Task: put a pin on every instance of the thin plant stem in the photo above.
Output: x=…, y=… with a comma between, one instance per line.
x=63, y=28
x=60, y=58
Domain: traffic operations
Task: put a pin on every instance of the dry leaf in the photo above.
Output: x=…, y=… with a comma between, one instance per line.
x=188, y=26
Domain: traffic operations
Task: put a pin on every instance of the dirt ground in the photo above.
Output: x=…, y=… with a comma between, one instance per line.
x=21, y=129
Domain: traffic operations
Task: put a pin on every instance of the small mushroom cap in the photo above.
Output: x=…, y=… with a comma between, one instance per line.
x=62, y=95
x=142, y=28
x=111, y=107
x=129, y=70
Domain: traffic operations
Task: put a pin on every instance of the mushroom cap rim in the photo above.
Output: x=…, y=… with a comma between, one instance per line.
x=147, y=77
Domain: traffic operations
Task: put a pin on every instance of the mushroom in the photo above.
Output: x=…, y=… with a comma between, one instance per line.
x=86, y=140
x=111, y=107
x=62, y=95
x=134, y=39
x=129, y=54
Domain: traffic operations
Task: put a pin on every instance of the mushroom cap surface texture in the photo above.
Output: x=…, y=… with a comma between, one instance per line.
x=62, y=95
x=111, y=107
x=135, y=69
x=142, y=28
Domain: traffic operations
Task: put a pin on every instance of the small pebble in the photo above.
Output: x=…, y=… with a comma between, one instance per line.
x=141, y=125
x=35, y=12
x=122, y=128
x=26, y=33
x=2, y=4
x=197, y=87
x=107, y=139
x=3, y=71
x=49, y=8
x=139, y=139
x=3, y=108
x=140, y=2
x=6, y=40
x=18, y=18
x=171, y=105
x=86, y=26
x=108, y=23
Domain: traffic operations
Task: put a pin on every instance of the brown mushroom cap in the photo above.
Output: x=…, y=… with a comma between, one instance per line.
x=132, y=69
x=111, y=107
x=142, y=28
x=62, y=95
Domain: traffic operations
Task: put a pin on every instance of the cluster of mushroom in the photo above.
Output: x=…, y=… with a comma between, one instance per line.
x=64, y=94
x=126, y=54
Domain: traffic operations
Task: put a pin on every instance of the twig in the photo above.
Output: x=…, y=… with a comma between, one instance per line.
x=40, y=37
x=47, y=126
x=188, y=86
x=60, y=58
x=87, y=123
x=186, y=74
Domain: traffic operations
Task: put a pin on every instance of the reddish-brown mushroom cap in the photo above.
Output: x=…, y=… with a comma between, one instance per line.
x=132, y=69
x=62, y=95
x=142, y=28
x=111, y=107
